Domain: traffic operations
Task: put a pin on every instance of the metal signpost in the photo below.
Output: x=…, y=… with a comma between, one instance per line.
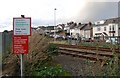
x=21, y=31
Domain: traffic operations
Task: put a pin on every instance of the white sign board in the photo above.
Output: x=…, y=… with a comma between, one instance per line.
x=22, y=26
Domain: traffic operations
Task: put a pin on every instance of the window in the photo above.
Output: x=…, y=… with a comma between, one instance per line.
x=104, y=28
x=110, y=28
x=98, y=28
x=113, y=27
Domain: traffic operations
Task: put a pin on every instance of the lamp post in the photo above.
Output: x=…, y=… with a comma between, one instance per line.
x=54, y=22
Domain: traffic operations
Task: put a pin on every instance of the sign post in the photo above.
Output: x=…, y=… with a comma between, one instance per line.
x=21, y=31
x=22, y=64
x=20, y=46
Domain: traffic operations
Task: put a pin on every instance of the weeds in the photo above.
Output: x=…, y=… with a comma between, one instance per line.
x=51, y=71
x=41, y=53
x=52, y=50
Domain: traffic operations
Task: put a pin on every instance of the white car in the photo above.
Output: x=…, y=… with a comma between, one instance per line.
x=108, y=41
x=112, y=40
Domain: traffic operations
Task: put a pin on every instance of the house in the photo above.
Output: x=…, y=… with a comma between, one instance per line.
x=80, y=30
x=106, y=29
x=68, y=27
x=60, y=26
x=86, y=31
x=46, y=29
x=72, y=29
x=75, y=30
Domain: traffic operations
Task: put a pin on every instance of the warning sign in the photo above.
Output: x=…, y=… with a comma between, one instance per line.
x=20, y=44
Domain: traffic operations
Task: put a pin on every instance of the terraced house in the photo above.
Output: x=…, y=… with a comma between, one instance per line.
x=86, y=31
x=107, y=29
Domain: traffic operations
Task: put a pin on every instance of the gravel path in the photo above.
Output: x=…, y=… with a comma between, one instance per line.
x=78, y=66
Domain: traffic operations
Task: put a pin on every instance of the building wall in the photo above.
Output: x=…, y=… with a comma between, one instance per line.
x=81, y=33
x=115, y=29
x=75, y=32
x=95, y=29
x=87, y=34
x=67, y=29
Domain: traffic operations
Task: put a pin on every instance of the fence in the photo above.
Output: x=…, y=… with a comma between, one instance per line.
x=6, y=38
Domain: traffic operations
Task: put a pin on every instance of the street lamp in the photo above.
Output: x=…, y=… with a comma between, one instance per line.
x=54, y=22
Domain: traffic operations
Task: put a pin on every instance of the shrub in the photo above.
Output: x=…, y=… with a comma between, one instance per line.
x=51, y=71
x=52, y=50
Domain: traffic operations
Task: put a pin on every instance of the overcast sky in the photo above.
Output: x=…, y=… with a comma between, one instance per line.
x=42, y=11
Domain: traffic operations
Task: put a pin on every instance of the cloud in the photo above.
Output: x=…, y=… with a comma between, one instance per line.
x=42, y=11
x=97, y=11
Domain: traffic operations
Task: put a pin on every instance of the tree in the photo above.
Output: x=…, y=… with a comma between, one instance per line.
x=6, y=31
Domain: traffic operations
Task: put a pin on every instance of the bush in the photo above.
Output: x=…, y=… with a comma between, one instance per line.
x=51, y=71
x=52, y=50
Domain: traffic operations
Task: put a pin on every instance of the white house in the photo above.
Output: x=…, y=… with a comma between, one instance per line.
x=75, y=32
x=80, y=30
x=105, y=29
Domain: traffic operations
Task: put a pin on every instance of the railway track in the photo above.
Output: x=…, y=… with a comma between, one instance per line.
x=90, y=48
x=88, y=52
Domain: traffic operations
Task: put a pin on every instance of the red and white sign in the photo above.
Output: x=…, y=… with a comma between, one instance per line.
x=20, y=44
x=21, y=31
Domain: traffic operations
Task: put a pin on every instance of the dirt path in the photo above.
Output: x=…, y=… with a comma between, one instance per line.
x=78, y=66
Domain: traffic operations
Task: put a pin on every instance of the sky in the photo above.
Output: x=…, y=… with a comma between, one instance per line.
x=42, y=11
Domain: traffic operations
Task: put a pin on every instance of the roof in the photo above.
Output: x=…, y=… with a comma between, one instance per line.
x=72, y=26
x=86, y=27
x=108, y=21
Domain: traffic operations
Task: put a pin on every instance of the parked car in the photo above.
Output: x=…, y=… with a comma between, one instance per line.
x=112, y=40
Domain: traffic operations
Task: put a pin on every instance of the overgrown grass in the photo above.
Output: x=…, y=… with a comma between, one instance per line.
x=50, y=71
x=44, y=67
x=109, y=67
x=52, y=50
